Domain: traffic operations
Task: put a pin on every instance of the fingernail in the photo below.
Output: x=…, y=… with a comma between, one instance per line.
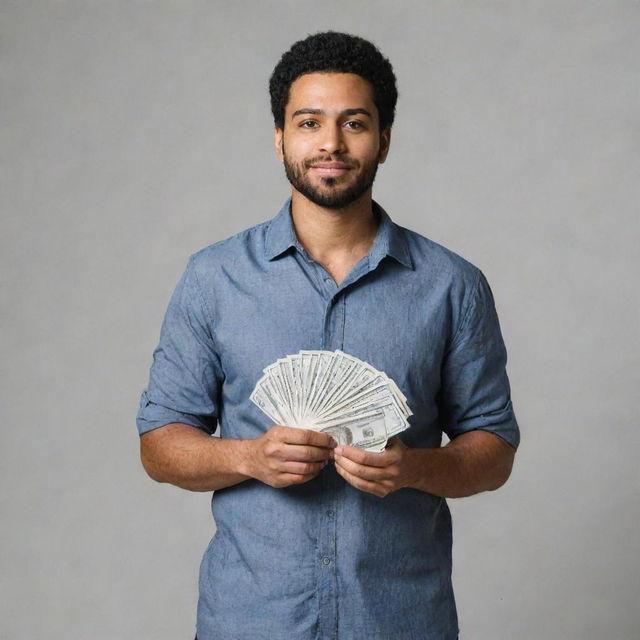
x=333, y=442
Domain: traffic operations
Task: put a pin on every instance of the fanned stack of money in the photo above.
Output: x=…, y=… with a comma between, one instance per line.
x=336, y=393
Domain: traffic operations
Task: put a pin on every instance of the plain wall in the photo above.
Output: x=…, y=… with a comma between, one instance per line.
x=135, y=133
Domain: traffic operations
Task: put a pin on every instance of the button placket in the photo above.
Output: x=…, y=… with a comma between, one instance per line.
x=327, y=578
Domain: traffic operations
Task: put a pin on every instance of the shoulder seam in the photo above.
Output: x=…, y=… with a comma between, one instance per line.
x=223, y=241
x=203, y=301
x=467, y=311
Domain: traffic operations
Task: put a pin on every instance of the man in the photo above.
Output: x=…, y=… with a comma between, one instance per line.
x=316, y=540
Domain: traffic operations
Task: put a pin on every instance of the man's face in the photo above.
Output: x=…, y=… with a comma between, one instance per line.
x=331, y=144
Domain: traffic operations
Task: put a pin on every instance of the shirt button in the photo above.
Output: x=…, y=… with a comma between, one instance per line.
x=331, y=513
x=326, y=560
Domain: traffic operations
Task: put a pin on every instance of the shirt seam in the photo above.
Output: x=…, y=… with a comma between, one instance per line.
x=203, y=301
x=467, y=311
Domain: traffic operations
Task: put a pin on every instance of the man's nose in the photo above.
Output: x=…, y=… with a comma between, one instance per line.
x=332, y=140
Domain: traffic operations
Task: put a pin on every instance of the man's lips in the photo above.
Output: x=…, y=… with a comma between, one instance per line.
x=330, y=169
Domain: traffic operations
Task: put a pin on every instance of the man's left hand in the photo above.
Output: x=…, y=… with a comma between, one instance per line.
x=377, y=473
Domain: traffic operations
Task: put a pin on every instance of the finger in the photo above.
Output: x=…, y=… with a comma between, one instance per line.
x=377, y=489
x=303, y=453
x=288, y=479
x=368, y=458
x=373, y=474
x=295, y=435
x=301, y=468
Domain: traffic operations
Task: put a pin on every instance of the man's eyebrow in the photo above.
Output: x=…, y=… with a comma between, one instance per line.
x=353, y=112
x=320, y=112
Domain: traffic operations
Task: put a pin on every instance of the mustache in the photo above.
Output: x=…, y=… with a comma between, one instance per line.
x=350, y=164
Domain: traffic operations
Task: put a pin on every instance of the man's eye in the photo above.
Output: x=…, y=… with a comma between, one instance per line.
x=353, y=124
x=308, y=124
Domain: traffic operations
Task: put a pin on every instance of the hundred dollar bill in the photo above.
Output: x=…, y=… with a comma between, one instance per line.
x=368, y=433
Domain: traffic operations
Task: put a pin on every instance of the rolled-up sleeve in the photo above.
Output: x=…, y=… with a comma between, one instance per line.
x=186, y=376
x=475, y=391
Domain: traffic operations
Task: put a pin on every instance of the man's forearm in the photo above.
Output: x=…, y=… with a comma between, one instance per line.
x=189, y=458
x=473, y=462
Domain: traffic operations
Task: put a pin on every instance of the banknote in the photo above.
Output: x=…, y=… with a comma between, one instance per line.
x=336, y=393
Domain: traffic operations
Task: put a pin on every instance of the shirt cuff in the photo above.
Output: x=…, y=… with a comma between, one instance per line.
x=502, y=423
x=152, y=416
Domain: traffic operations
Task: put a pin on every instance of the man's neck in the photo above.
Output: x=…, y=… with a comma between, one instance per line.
x=336, y=238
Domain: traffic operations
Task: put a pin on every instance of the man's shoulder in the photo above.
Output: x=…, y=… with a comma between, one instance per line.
x=438, y=260
x=239, y=246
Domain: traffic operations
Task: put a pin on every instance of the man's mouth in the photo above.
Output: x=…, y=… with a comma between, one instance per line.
x=330, y=169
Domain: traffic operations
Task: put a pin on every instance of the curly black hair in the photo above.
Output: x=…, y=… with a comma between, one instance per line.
x=340, y=53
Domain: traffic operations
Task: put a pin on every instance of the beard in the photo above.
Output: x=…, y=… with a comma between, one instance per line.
x=330, y=195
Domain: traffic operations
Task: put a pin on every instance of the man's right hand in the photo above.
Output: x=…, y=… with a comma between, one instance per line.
x=284, y=456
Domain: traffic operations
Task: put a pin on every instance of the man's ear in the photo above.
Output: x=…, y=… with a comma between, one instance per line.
x=385, y=142
x=278, y=143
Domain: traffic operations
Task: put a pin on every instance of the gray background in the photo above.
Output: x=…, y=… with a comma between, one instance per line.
x=135, y=133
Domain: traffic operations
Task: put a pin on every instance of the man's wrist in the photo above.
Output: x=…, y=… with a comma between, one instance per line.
x=244, y=457
x=416, y=464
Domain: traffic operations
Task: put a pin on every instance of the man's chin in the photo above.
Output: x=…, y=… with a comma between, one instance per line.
x=330, y=198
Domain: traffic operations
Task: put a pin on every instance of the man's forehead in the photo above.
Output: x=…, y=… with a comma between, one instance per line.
x=343, y=91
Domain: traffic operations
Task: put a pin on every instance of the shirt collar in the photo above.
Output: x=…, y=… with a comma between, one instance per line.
x=389, y=241
x=280, y=234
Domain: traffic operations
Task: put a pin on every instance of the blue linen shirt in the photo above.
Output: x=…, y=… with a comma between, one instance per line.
x=323, y=559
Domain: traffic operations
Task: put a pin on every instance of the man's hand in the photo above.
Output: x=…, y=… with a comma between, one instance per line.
x=286, y=455
x=473, y=462
x=377, y=473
